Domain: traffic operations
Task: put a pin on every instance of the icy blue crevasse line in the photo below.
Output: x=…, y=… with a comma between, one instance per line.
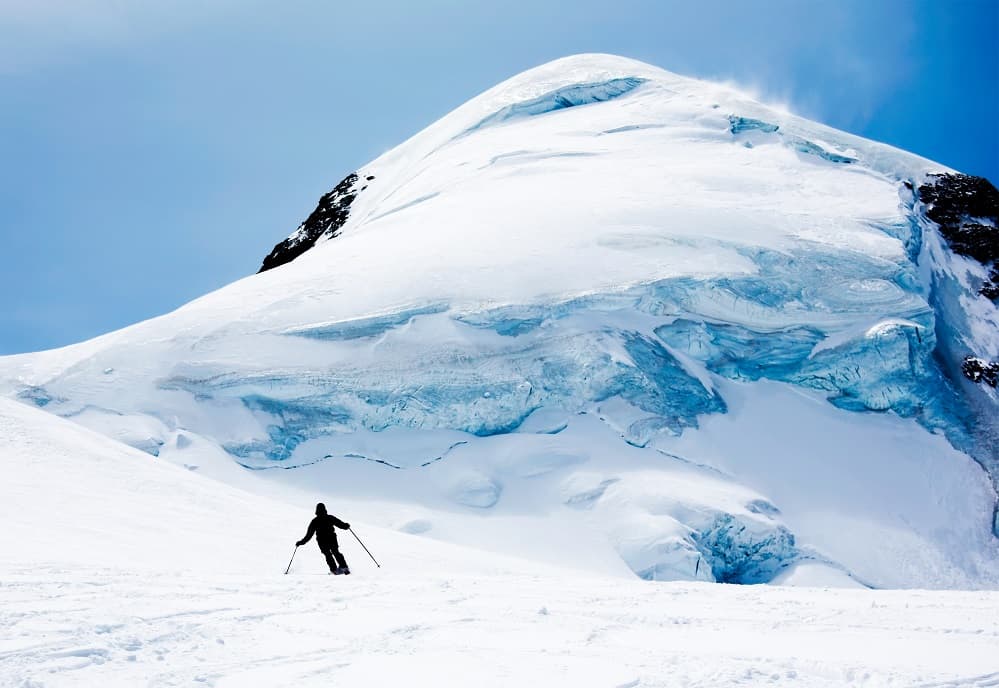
x=739, y=353
x=700, y=466
x=362, y=328
x=559, y=99
x=506, y=325
x=808, y=264
x=891, y=370
x=447, y=451
x=277, y=465
x=632, y=127
x=808, y=278
x=815, y=278
x=738, y=124
x=763, y=290
x=659, y=384
x=514, y=321
x=804, y=146
x=298, y=421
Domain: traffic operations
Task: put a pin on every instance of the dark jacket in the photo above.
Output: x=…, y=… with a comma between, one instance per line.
x=322, y=527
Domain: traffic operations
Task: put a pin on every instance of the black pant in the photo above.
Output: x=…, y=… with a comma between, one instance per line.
x=334, y=558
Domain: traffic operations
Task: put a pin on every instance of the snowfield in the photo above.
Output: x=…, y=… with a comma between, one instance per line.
x=144, y=573
x=114, y=627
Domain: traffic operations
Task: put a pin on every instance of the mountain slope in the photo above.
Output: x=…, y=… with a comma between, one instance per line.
x=120, y=571
x=598, y=303
x=75, y=498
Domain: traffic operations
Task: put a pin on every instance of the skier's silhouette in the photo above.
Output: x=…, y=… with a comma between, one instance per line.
x=323, y=528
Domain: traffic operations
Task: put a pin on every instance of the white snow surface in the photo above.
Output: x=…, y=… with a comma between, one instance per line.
x=117, y=569
x=530, y=338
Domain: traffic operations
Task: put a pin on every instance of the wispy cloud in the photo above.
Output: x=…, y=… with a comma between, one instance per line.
x=827, y=61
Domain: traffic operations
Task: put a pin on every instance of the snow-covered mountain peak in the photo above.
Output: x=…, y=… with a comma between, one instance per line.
x=560, y=122
x=600, y=295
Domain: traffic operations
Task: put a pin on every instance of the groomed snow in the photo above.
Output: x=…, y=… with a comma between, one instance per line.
x=118, y=569
x=114, y=627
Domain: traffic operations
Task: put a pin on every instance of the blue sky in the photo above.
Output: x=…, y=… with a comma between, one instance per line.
x=154, y=151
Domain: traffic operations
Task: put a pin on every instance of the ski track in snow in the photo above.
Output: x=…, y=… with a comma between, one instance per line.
x=973, y=681
x=118, y=627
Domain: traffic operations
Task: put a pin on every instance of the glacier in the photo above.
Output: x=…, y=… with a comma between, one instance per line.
x=598, y=298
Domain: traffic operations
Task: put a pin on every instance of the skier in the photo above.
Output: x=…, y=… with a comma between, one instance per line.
x=322, y=527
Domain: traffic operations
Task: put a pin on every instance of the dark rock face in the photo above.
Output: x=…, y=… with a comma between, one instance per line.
x=977, y=370
x=967, y=210
x=326, y=220
x=990, y=289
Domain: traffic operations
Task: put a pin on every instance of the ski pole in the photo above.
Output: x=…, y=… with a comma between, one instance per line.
x=365, y=548
x=291, y=560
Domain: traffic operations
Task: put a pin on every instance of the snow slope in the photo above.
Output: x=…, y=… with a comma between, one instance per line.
x=600, y=314
x=73, y=497
x=118, y=569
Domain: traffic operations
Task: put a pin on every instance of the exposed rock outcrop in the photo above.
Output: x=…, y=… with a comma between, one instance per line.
x=979, y=370
x=967, y=210
x=326, y=220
